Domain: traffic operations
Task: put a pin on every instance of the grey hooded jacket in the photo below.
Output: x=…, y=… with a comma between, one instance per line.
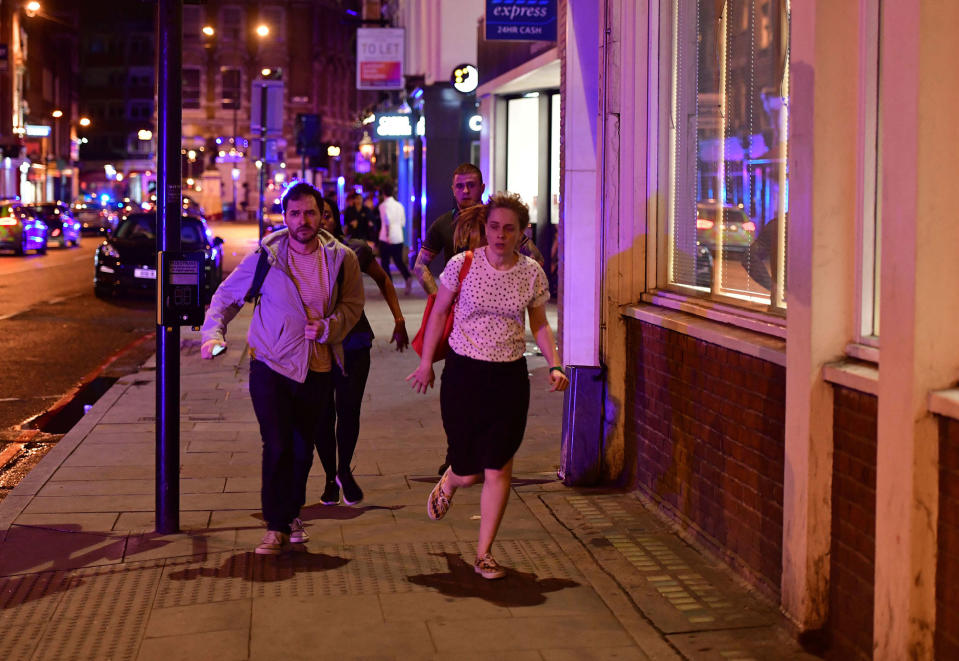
x=276, y=335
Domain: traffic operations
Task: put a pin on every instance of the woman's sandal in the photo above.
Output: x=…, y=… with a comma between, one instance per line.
x=438, y=504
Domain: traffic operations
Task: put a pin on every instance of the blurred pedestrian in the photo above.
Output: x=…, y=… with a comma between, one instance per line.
x=392, y=226
x=305, y=304
x=484, y=396
x=341, y=424
x=372, y=216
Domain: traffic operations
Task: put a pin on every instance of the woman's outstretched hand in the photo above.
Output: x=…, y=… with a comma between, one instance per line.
x=558, y=381
x=400, y=336
x=422, y=379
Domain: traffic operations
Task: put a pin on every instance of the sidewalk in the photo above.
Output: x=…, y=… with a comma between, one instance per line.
x=593, y=574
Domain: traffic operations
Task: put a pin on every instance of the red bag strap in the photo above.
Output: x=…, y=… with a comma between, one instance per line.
x=467, y=262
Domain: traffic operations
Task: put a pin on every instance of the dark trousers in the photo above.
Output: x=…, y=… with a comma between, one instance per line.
x=341, y=420
x=290, y=415
x=393, y=251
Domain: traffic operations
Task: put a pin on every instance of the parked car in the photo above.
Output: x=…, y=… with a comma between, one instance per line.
x=95, y=219
x=738, y=234
x=62, y=226
x=126, y=260
x=20, y=228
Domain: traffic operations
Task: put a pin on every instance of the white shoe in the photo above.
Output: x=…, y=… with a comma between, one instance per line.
x=274, y=543
x=298, y=534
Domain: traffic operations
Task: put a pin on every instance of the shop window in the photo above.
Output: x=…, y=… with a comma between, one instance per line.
x=231, y=85
x=728, y=200
x=191, y=88
x=522, y=157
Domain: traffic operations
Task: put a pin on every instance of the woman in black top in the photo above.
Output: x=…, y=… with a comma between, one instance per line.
x=348, y=389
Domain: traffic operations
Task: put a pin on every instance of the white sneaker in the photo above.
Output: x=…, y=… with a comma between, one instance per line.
x=298, y=534
x=274, y=543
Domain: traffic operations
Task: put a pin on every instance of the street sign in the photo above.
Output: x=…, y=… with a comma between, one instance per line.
x=308, y=131
x=269, y=93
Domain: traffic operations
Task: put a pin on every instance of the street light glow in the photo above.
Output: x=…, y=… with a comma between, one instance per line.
x=145, y=134
x=208, y=30
x=32, y=8
x=265, y=72
x=57, y=114
x=84, y=121
x=262, y=30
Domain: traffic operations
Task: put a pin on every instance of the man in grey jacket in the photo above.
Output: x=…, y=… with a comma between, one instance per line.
x=309, y=300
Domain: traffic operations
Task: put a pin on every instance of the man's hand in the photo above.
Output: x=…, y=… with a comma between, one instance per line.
x=211, y=348
x=400, y=336
x=314, y=329
x=422, y=379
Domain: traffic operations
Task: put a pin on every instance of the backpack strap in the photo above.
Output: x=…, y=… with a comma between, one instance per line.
x=262, y=266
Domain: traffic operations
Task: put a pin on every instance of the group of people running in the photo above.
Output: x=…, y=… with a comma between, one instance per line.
x=309, y=343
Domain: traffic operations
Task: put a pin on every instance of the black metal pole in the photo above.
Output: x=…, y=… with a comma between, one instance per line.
x=262, y=177
x=169, y=171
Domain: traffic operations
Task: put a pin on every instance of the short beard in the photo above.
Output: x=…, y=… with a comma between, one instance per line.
x=294, y=237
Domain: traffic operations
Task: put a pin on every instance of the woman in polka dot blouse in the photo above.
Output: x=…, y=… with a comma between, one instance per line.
x=484, y=396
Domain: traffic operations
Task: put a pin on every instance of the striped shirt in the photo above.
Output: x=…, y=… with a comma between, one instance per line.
x=309, y=275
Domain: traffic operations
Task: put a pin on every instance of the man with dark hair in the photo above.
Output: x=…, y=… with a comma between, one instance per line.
x=392, y=224
x=306, y=303
x=468, y=190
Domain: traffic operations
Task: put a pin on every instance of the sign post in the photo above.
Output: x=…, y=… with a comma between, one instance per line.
x=266, y=120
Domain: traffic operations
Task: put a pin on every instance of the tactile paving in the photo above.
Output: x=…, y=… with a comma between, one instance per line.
x=102, y=613
x=342, y=570
x=27, y=604
x=678, y=589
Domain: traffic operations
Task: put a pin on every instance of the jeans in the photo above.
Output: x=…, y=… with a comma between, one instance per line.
x=341, y=422
x=289, y=414
x=393, y=251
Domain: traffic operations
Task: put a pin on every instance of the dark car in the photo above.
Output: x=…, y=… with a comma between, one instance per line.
x=20, y=229
x=738, y=234
x=94, y=219
x=62, y=226
x=126, y=261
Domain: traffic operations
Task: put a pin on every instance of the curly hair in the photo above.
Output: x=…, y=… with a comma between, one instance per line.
x=513, y=202
x=470, y=231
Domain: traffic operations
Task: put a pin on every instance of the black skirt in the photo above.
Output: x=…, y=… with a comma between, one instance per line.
x=484, y=406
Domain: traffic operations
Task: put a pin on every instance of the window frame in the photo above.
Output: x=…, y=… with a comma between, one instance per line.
x=761, y=317
x=869, y=211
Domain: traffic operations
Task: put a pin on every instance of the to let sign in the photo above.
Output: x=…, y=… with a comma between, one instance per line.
x=379, y=59
x=521, y=20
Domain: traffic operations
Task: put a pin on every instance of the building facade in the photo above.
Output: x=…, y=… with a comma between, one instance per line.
x=753, y=200
x=39, y=120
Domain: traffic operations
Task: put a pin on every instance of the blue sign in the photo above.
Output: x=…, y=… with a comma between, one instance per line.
x=521, y=20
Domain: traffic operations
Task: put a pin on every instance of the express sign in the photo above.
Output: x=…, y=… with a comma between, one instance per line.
x=521, y=20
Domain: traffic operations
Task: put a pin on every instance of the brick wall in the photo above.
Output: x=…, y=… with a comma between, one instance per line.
x=947, y=571
x=853, y=551
x=704, y=431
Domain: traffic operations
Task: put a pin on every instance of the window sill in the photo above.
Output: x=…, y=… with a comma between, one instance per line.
x=753, y=320
x=855, y=375
x=730, y=336
x=945, y=403
x=863, y=352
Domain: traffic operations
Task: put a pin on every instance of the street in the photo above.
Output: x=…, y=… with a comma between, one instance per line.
x=56, y=335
